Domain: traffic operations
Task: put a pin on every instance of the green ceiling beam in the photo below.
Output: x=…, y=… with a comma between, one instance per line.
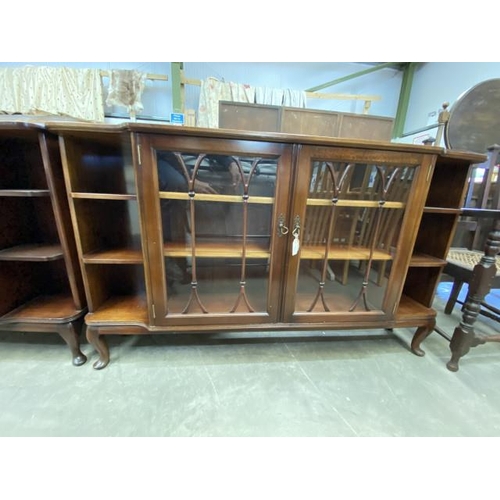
x=175, y=74
x=404, y=100
x=350, y=77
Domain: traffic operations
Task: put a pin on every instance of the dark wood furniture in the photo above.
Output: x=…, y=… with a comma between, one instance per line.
x=483, y=277
x=483, y=193
x=461, y=264
x=264, y=118
x=41, y=288
x=196, y=230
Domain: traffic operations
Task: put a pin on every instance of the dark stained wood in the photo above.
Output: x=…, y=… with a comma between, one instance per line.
x=127, y=261
x=120, y=309
x=40, y=278
x=113, y=256
x=52, y=308
x=481, y=280
x=52, y=163
x=106, y=132
x=100, y=345
x=33, y=252
x=421, y=260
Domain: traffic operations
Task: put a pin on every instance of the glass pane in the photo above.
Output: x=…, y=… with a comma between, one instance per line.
x=216, y=220
x=349, y=235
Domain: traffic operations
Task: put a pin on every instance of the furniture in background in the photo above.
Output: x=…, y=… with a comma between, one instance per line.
x=40, y=279
x=475, y=225
x=460, y=266
x=484, y=275
x=186, y=245
x=483, y=193
x=264, y=118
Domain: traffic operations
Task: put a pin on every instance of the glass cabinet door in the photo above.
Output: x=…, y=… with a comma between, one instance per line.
x=214, y=244
x=348, y=223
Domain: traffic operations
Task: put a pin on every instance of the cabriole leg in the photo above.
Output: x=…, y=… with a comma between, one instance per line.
x=100, y=345
x=420, y=335
x=69, y=334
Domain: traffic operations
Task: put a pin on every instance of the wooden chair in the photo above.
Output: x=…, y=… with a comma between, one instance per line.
x=460, y=266
x=483, y=276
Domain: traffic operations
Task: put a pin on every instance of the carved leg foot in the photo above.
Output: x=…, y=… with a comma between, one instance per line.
x=69, y=334
x=460, y=345
x=100, y=345
x=420, y=335
x=452, y=365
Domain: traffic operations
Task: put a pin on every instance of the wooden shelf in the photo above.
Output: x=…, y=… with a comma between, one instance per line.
x=327, y=202
x=442, y=210
x=409, y=308
x=217, y=250
x=103, y=196
x=114, y=256
x=422, y=260
x=45, y=308
x=32, y=253
x=343, y=253
x=24, y=193
x=224, y=198
x=130, y=309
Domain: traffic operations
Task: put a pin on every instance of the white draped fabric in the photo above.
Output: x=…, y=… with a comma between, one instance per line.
x=41, y=90
x=280, y=97
x=212, y=91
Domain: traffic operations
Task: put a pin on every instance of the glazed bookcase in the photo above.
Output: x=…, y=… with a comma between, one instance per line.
x=192, y=230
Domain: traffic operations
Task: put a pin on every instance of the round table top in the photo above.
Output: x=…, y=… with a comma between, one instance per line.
x=474, y=121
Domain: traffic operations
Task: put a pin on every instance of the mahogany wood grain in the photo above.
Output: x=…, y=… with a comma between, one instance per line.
x=39, y=274
x=114, y=256
x=120, y=309
x=32, y=252
x=422, y=260
x=52, y=308
x=126, y=282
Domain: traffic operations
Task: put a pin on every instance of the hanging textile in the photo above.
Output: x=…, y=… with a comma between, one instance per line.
x=43, y=90
x=295, y=98
x=212, y=91
x=125, y=89
x=269, y=96
x=280, y=97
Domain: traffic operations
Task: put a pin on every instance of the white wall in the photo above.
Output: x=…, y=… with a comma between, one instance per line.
x=157, y=98
x=438, y=82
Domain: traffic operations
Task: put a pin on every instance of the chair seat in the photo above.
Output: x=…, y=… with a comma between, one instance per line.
x=460, y=266
x=467, y=259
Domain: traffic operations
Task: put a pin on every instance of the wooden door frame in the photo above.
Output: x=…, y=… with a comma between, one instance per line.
x=147, y=144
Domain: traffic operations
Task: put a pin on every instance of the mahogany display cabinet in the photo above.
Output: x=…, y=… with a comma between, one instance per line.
x=195, y=230
x=41, y=287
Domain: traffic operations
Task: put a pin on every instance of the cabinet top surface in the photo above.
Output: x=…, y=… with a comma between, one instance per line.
x=82, y=129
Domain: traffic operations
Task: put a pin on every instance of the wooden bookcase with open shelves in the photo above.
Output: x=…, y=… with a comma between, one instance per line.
x=42, y=288
x=196, y=230
x=436, y=230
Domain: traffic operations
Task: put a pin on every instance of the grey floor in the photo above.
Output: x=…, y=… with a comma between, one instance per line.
x=360, y=383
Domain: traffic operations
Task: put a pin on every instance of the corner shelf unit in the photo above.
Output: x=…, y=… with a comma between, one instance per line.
x=440, y=216
x=41, y=282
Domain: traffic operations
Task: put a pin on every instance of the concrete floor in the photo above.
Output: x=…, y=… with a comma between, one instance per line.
x=362, y=383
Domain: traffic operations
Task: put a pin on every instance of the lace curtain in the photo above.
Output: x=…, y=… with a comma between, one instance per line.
x=41, y=90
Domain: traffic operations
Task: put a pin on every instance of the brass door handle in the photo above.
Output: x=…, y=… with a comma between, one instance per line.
x=282, y=229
